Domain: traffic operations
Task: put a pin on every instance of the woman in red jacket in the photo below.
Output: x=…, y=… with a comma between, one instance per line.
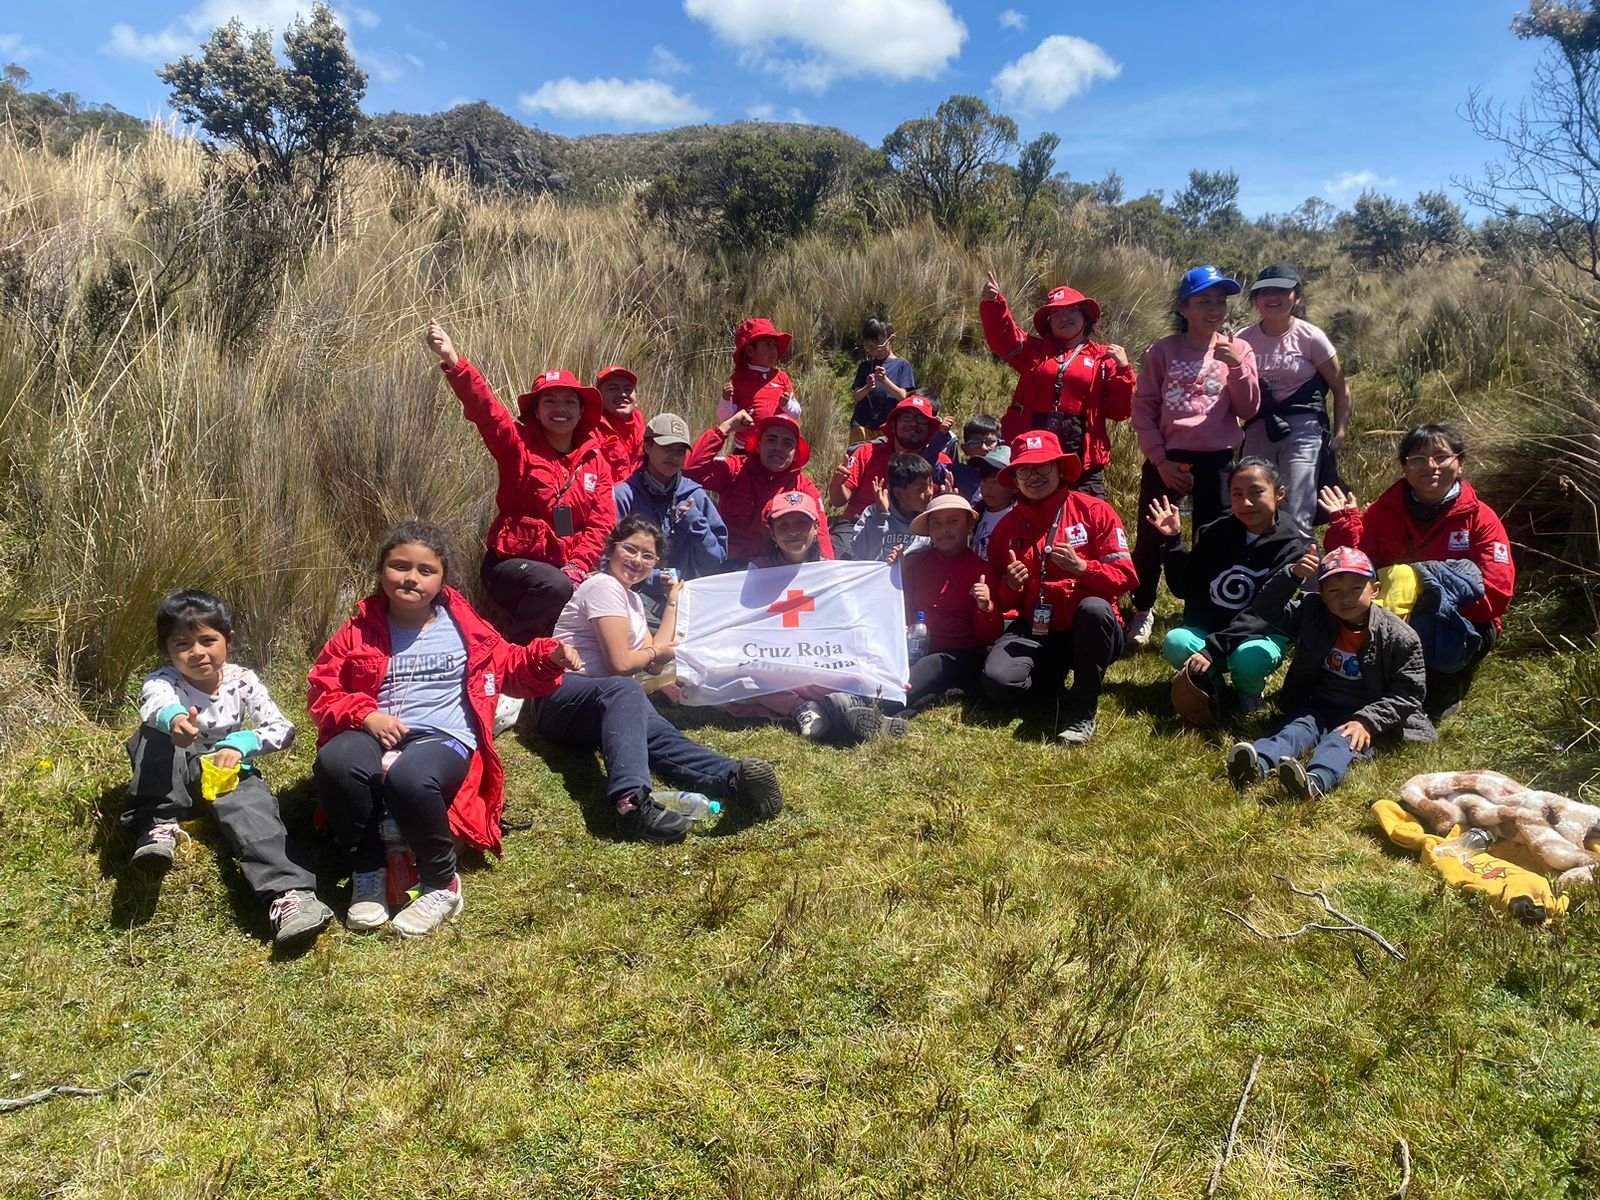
x=1067, y=383
x=1432, y=514
x=554, y=495
x=746, y=484
x=1059, y=559
x=403, y=697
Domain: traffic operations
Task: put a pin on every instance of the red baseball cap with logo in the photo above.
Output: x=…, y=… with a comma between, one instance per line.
x=791, y=502
x=916, y=403
x=614, y=369
x=1345, y=560
x=1035, y=448
x=1064, y=297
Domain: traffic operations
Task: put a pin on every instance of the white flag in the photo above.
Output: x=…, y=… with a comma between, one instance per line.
x=837, y=625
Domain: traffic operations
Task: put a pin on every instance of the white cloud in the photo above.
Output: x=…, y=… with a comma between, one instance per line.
x=423, y=35
x=624, y=101
x=127, y=42
x=1052, y=73
x=1010, y=18
x=769, y=112
x=760, y=112
x=15, y=49
x=665, y=62
x=384, y=65
x=1352, y=182
x=194, y=27
x=835, y=39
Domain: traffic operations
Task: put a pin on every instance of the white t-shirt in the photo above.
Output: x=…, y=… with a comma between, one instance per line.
x=980, y=532
x=600, y=596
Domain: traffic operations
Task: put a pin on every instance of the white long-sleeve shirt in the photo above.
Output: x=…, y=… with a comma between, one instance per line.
x=167, y=695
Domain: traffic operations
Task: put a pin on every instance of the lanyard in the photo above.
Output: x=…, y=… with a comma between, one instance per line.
x=1061, y=372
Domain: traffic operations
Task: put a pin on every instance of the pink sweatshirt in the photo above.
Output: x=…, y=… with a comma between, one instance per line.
x=1186, y=399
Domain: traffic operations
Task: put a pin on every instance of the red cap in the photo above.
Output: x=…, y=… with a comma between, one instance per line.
x=915, y=402
x=781, y=420
x=757, y=327
x=791, y=502
x=1036, y=447
x=1063, y=297
x=607, y=372
x=1345, y=560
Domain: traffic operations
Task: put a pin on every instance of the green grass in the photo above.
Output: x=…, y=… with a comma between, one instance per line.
x=965, y=964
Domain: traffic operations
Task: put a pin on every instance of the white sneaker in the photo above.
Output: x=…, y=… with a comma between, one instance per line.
x=429, y=910
x=812, y=720
x=369, y=893
x=1141, y=624
x=507, y=712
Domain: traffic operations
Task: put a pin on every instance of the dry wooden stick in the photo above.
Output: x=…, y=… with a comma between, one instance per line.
x=67, y=1089
x=1233, y=1130
x=1350, y=925
x=1402, y=1159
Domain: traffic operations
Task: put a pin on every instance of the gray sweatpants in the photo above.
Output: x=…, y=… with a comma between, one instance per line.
x=166, y=778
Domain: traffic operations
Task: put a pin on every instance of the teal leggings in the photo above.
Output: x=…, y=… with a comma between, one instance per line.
x=1249, y=665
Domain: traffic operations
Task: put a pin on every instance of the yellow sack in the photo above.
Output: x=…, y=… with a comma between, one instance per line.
x=214, y=780
x=1398, y=587
x=1511, y=877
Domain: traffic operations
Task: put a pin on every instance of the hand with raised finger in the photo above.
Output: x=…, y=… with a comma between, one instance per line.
x=439, y=342
x=991, y=289
x=1016, y=573
x=1307, y=564
x=981, y=595
x=185, y=728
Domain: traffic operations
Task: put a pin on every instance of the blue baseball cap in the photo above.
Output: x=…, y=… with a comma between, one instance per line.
x=1200, y=278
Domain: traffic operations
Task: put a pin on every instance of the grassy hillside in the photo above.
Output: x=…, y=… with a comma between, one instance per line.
x=966, y=964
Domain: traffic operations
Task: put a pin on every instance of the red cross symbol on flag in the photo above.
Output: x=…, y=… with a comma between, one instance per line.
x=791, y=607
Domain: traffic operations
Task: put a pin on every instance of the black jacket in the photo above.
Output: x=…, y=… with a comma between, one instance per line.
x=1392, y=671
x=1218, y=580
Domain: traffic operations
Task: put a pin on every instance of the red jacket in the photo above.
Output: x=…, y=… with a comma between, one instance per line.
x=1095, y=389
x=533, y=476
x=622, y=443
x=345, y=679
x=757, y=392
x=1086, y=523
x=941, y=589
x=744, y=487
x=1387, y=535
x=869, y=463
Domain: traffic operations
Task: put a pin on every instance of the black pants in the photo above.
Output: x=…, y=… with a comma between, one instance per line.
x=164, y=777
x=1447, y=689
x=1091, y=483
x=934, y=674
x=1210, y=502
x=532, y=595
x=612, y=712
x=1020, y=663
x=416, y=792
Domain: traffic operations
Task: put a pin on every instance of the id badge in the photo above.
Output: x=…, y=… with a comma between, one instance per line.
x=563, y=521
x=1041, y=619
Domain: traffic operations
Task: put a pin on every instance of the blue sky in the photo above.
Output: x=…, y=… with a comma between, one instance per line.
x=1299, y=99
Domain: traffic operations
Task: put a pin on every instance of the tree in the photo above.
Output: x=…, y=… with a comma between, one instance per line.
x=1035, y=164
x=751, y=190
x=1210, y=202
x=296, y=123
x=1549, y=171
x=942, y=160
x=1440, y=223
x=1381, y=231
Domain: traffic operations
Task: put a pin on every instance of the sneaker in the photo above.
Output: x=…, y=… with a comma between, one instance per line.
x=1141, y=624
x=755, y=783
x=430, y=910
x=369, y=894
x=158, y=846
x=507, y=712
x=868, y=723
x=813, y=722
x=1251, y=702
x=1078, y=733
x=298, y=914
x=1300, y=783
x=641, y=818
x=1244, y=766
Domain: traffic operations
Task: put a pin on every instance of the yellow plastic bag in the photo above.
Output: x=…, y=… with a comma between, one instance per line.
x=1511, y=877
x=214, y=780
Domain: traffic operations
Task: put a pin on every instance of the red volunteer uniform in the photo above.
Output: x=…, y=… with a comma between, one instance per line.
x=941, y=589
x=1089, y=525
x=744, y=488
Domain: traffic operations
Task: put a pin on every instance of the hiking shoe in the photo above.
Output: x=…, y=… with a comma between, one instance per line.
x=755, y=783
x=813, y=722
x=430, y=910
x=507, y=711
x=641, y=818
x=1078, y=733
x=158, y=846
x=298, y=914
x=1141, y=624
x=369, y=894
x=1297, y=781
x=1244, y=766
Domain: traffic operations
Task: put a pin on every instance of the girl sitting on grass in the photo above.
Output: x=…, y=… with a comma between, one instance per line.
x=1217, y=581
x=403, y=697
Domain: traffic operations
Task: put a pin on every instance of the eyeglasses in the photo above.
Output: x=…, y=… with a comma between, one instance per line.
x=991, y=440
x=1422, y=462
x=633, y=552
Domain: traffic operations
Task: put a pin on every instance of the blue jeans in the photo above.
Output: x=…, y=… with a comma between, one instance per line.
x=1331, y=754
x=612, y=712
x=1297, y=458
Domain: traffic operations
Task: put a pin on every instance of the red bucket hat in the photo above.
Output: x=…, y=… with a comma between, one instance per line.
x=757, y=327
x=913, y=403
x=1063, y=297
x=802, y=448
x=791, y=502
x=1036, y=447
x=607, y=372
x=590, y=397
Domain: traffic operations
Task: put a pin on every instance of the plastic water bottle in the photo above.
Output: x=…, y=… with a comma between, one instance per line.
x=917, y=638
x=401, y=867
x=691, y=804
x=1473, y=841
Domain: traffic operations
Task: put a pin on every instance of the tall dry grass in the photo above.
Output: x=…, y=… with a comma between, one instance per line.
x=194, y=395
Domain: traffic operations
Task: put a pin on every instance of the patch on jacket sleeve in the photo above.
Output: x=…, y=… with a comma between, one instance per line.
x=1460, y=539
x=1502, y=552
